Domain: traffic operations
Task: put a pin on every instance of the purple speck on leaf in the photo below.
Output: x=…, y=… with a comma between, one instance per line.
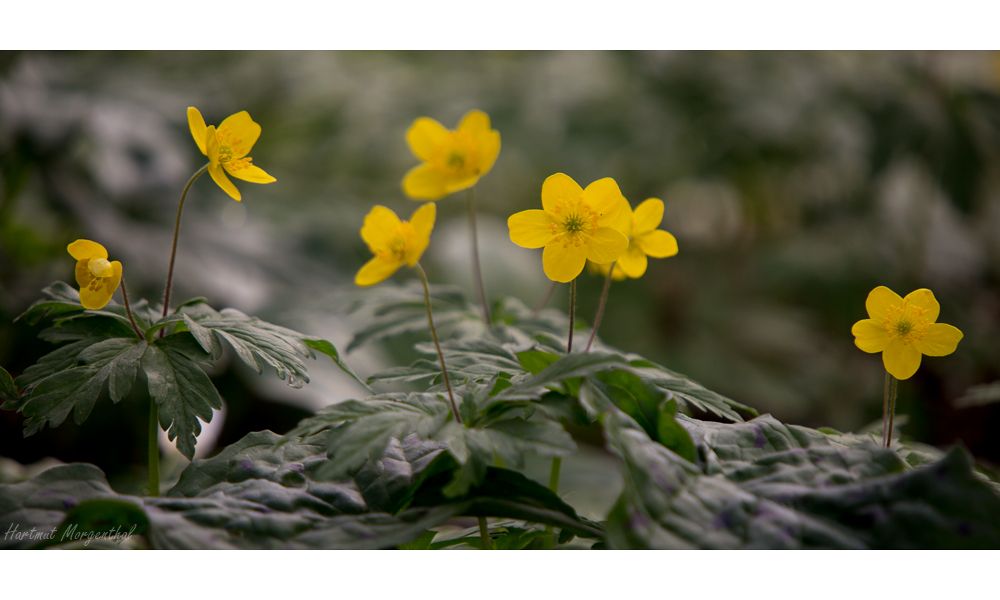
x=246, y=464
x=297, y=467
x=70, y=502
x=760, y=441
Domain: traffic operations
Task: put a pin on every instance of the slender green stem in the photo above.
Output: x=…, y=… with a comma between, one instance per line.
x=545, y=298
x=572, y=314
x=477, y=272
x=128, y=310
x=600, y=307
x=550, y=540
x=173, y=249
x=890, y=403
x=154, y=449
x=430, y=319
x=484, y=534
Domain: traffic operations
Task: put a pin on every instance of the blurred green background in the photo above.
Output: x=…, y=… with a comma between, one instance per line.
x=794, y=183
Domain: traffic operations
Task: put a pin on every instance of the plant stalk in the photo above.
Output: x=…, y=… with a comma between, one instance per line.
x=477, y=272
x=484, y=534
x=430, y=319
x=544, y=299
x=128, y=310
x=154, y=448
x=572, y=315
x=889, y=411
x=173, y=249
x=600, y=307
x=550, y=540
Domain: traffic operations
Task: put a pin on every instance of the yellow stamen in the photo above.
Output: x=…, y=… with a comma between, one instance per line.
x=907, y=323
x=573, y=222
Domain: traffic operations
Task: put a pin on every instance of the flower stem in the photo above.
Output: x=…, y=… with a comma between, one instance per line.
x=173, y=249
x=430, y=319
x=550, y=540
x=600, y=307
x=572, y=315
x=889, y=409
x=154, y=449
x=484, y=534
x=544, y=299
x=128, y=310
x=477, y=273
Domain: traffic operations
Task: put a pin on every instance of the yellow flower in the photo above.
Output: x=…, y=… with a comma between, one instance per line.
x=394, y=242
x=227, y=148
x=453, y=160
x=573, y=227
x=644, y=239
x=903, y=329
x=98, y=278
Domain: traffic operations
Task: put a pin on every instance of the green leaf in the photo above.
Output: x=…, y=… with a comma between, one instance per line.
x=328, y=349
x=76, y=390
x=762, y=484
x=100, y=519
x=180, y=388
x=672, y=434
x=62, y=299
x=569, y=366
x=8, y=391
x=690, y=392
x=634, y=397
x=534, y=361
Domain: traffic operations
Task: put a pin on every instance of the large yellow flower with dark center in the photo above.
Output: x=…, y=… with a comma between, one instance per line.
x=573, y=226
x=227, y=148
x=644, y=239
x=903, y=329
x=98, y=278
x=394, y=242
x=453, y=160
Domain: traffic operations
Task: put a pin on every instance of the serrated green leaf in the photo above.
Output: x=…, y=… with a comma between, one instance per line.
x=330, y=350
x=180, y=388
x=62, y=299
x=569, y=366
x=109, y=519
x=672, y=435
x=8, y=391
x=78, y=388
x=634, y=397
x=205, y=337
x=54, y=362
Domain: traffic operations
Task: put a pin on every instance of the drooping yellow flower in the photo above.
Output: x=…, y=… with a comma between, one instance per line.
x=644, y=239
x=227, y=148
x=98, y=278
x=453, y=160
x=394, y=242
x=903, y=329
x=573, y=226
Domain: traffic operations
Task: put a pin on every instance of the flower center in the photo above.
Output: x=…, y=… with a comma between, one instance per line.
x=100, y=267
x=573, y=222
x=231, y=147
x=395, y=249
x=458, y=155
x=906, y=323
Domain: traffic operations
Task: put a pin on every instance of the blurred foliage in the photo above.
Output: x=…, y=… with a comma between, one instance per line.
x=794, y=183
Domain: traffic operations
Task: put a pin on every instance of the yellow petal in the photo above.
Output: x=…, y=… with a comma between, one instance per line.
x=606, y=245
x=100, y=267
x=375, y=271
x=454, y=184
x=83, y=274
x=879, y=300
x=563, y=263
x=657, y=243
x=633, y=262
x=623, y=222
x=198, y=130
x=530, y=228
x=475, y=122
x=605, y=198
x=422, y=220
x=924, y=298
x=241, y=133
x=425, y=182
x=220, y=178
x=901, y=360
x=98, y=298
x=425, y=136
x=559, y=187
x=212, y=145
x=870, y=335
x=648, y=216
x=380, y=228
x=422, y=223
x=86, y=249
x=941, y=340
x=248, y=172
x=487, y=150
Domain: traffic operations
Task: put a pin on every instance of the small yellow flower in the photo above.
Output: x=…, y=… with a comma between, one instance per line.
x=98, y=278
x=453, y=160
x=394, y=242
x=903, y=329
x=227, y=148
x=573, y=227
x=644, y=239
